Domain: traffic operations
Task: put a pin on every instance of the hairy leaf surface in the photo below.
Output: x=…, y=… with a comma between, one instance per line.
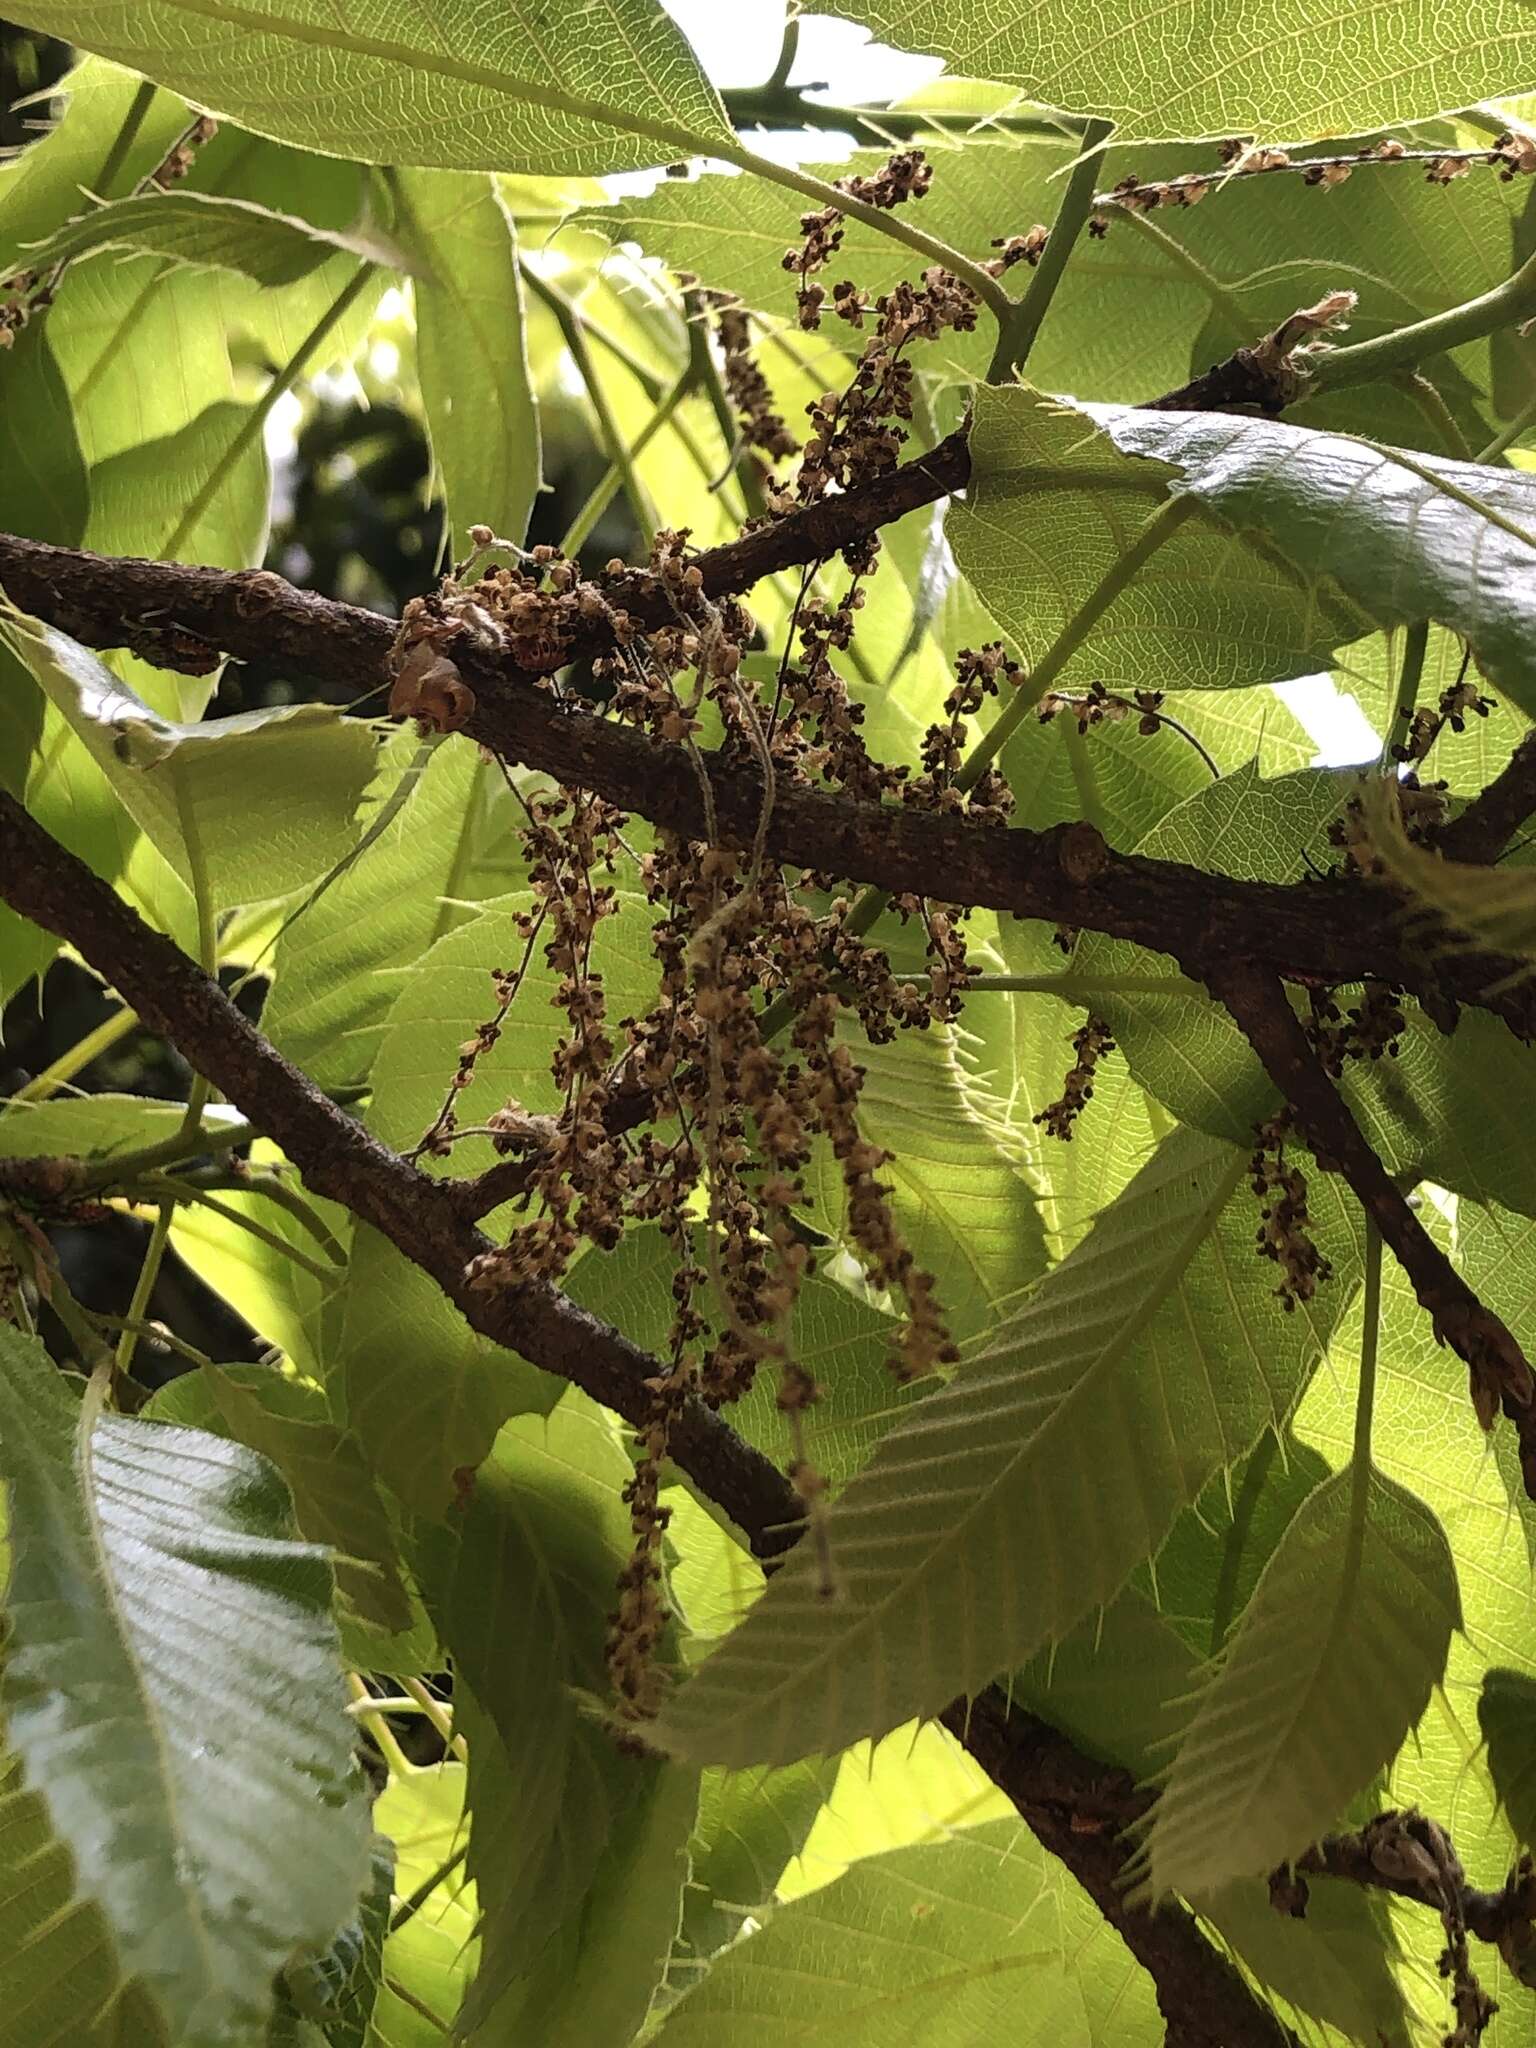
x=336, y=1500
x=1051, y=507
x=1399, y=536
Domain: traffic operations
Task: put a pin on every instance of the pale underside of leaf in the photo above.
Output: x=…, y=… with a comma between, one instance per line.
x=1212, y=67
x=171, y=1686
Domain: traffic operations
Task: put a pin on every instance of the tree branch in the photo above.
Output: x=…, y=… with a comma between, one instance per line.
x=1205, y=2000
x=1079, y=1809
x=1498, y=1366
x=1313, y=932
x=342, y=1160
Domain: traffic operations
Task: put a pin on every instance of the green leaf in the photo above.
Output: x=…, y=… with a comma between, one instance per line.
x=444, y=1001
x=732, y=232
x=1139, y=312
x=1202, y=67
x=432, y=1957
x=63, y=1979
x=1426, y=1439
x=1052, y=506
x=336, y=1500
x=1399, y=537
x=1330, y=1667
x=338, y=1990
x=1506, y=1714
x=203, y=1779
x=139, y=499
x=576, y=1849
x=1465, y=761
x=1488, y=910
x=428, y=83
x=751, y=1824
x=1436, y=1110
x=1151, y=1358
x=482, y=415
x=950, y=1942
x=336, y=966
x=1119, y=1685
x=383, y=1625
x=96, y=1127
x=257, y=803
x=205, y=231
x=44, y=495
x=423, y=1394
x=73, y=802
x=1183, y=1046
x=42, y=185
x=282, y=1300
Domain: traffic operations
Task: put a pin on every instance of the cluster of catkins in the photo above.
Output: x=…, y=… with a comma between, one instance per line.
x=701, y=1116
x=1284, y=1232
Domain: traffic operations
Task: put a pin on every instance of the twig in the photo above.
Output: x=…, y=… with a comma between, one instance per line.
x=1191, y=187
x=1310, y=932
x=1498, y=1366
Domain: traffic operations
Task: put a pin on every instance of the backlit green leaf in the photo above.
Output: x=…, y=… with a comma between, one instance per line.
x=205, y=231
x=1204, y=67
x=1331, y=1665
x=577, y=1850
x=957, y=1937
x=243, y=807
x=482, y=416
x=429, y=82
x=1051, y=506
x=1018, y=1498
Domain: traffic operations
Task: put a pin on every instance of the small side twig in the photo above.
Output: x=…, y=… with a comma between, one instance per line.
x=1413, y=1857
x=1265, y=378
x=1500, y=1373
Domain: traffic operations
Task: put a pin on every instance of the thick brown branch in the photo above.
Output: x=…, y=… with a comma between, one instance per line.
x=1257, y=1001
x=1079, y=1809
x=164, y=611
x=1312, y=932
